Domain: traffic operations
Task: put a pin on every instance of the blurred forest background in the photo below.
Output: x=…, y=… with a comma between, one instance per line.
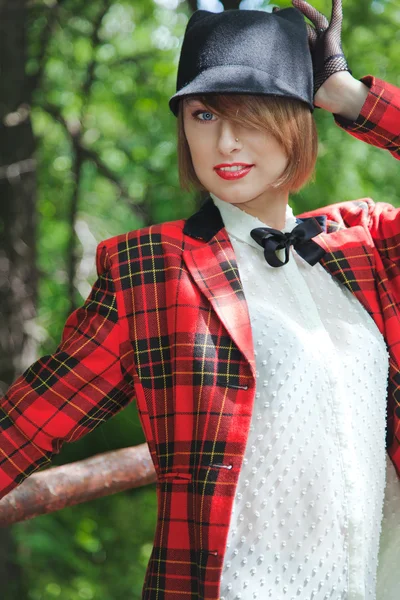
x=88, y=151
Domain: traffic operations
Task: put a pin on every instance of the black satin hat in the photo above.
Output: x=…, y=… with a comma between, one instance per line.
x=245, y=52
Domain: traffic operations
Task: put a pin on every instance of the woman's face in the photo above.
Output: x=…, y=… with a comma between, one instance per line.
x=212, y=141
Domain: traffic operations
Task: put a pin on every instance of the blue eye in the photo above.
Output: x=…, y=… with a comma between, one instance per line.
x=202, y=112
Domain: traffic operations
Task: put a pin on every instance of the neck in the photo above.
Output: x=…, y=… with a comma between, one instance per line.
x=271, y=210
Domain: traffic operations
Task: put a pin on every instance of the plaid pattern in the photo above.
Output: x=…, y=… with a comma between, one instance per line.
x=63, y=396
x=378, y=123
x=167, y=324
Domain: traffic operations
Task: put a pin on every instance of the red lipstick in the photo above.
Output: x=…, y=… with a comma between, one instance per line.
x=231, y=175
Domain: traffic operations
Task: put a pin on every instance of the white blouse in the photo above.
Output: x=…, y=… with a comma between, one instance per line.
x=307, y=513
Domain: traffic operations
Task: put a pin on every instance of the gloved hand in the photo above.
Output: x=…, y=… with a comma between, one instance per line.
x=324, y=40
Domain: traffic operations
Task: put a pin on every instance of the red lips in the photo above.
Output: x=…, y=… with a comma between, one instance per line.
x=231, y=175
x=236, y=164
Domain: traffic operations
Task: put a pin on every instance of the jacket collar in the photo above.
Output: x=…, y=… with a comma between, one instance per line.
x=205, y=223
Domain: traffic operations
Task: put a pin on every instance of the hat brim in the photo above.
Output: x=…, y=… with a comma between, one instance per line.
x=235, y=79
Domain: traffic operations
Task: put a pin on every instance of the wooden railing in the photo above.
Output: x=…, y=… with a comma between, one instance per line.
x=58, y=487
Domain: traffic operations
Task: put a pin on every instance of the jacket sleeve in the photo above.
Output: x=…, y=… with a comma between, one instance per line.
x=65, y=395
x=384, y=227
x=378, y=123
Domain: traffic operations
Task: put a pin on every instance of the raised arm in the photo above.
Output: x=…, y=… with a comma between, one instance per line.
x=65, y=395
x=369, y=108
x=378, y=120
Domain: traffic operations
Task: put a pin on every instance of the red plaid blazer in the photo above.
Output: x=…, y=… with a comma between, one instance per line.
x=166, y=324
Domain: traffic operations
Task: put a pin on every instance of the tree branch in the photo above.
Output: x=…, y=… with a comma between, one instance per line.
x=106, y=172
x=72, y=258
x=58, y=487
x=34, y=81
x=95, y=41
x=73, y=129
x=128, y=60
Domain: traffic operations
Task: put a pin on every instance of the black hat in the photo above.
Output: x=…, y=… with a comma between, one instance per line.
x=246, y=52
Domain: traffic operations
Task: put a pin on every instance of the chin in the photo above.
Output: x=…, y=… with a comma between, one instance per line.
x=235, y=196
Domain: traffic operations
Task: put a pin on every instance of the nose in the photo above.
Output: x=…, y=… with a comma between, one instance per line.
x=227, y=138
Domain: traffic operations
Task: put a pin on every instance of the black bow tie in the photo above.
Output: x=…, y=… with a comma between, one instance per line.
x=273, y=239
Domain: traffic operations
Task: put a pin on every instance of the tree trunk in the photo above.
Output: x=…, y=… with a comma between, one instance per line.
x=18, y=278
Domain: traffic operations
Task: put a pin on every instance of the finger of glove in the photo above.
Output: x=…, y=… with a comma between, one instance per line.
x=312, y=35
x=319, y=20
x=337, y=12
x=336, y=18
x=334, y=33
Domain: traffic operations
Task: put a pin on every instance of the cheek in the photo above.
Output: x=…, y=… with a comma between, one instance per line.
x=200, y=164
x=196, y=140
x=274, y=156
x=198, y=150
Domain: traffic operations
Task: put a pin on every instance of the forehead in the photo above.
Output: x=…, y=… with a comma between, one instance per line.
x=191, y=100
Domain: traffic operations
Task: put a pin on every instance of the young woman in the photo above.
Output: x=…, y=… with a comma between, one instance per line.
x=256, y=345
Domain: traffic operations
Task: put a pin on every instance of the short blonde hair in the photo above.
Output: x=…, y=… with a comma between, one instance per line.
x=288, y=119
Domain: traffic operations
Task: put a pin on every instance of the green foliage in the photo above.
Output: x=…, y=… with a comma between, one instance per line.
x=121, y=117
x=97, y=550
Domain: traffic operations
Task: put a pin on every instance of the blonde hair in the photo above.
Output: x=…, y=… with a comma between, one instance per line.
x=288, y=119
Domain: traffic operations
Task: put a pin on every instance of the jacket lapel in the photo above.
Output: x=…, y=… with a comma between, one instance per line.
x=214, y=269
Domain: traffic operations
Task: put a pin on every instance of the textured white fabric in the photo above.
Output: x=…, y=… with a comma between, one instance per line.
x=388, y=580
x=307, y=514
